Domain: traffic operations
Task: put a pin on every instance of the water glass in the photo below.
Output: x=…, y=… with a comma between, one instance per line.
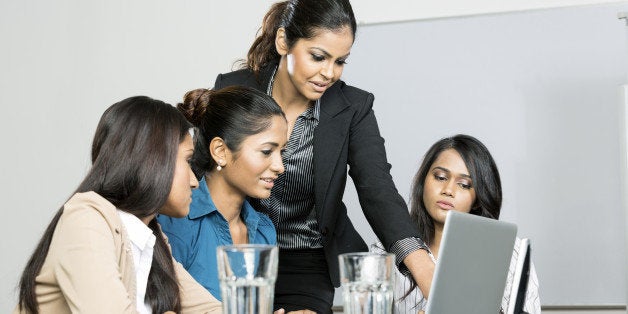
x=367, y=282
x=247, y=276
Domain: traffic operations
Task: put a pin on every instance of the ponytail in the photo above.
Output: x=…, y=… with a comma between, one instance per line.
x=263, y=50
x=195, y=104
x=193, y=108
x=300, y=19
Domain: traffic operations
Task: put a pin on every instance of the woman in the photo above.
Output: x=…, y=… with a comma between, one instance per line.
x=298, y=60
x=457, y=173
x=242, y=133
x=104, y=251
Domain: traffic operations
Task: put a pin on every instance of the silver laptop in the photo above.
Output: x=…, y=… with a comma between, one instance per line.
x=472, y=265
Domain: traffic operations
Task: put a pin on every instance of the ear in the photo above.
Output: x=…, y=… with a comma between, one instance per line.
x=280, y=42
x=218, y=151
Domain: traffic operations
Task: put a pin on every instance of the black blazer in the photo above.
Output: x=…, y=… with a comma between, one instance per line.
x=347, y=135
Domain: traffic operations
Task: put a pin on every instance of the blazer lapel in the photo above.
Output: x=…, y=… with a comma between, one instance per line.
x=329, y=137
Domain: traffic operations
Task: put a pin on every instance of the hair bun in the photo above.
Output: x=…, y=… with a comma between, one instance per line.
x=195, y=104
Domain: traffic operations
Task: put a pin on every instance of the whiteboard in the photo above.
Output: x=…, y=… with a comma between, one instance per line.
x=542, y=90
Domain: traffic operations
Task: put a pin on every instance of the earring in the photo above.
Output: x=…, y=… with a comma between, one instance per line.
x=219, y=167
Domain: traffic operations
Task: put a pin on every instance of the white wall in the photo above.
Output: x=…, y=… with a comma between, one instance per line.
x=542, y=90
x=623, y=104
x=377, y=11
x=63, y=62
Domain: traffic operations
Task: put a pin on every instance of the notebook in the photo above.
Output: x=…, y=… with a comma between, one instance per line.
x=472, y=266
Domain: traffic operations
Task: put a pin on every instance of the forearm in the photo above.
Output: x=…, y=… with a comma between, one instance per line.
x=421, y=267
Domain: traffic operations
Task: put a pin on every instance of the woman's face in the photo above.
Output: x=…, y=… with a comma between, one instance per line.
x=448, y=186
x=183, y=181
x=252, y=170
x=315, y=64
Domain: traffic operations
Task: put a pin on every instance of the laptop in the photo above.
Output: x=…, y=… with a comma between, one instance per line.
x=472, y=266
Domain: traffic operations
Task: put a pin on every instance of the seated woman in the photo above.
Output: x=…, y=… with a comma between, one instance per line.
x=103, y=252
x=457, y=173
x=242, y=133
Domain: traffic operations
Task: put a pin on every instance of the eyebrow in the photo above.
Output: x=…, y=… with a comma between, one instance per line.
x=271, y=143
x=448, y=171
x=327, y=54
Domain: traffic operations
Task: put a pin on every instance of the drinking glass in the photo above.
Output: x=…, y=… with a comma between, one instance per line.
x=367, y=282
x=247, y=276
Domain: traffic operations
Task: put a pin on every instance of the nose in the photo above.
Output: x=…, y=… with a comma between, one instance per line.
x=193, y=180
x=327, y=70
x=448, y=188
x=277, y=165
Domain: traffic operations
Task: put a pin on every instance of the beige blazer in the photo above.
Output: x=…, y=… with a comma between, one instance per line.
x=89, y=267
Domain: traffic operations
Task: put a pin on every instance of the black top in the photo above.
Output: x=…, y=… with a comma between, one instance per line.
x=347, y=139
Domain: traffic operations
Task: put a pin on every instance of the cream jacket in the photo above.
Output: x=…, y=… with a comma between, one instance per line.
x=89, y=267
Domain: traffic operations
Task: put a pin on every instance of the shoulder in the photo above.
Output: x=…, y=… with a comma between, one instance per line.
x=178, y=229
x=246, y=77
x=341, y=96
x=353, y=95
x=235, y=77
x=353, y=92
x=89, y=208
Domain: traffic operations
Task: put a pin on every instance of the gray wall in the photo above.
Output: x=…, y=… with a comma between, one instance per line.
x=542, y=90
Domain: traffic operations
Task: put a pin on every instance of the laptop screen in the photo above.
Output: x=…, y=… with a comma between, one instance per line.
x=472, y=266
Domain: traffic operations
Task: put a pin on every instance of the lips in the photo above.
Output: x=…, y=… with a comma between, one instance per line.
x=319, y=86
x=268, y=182
x=445, y=205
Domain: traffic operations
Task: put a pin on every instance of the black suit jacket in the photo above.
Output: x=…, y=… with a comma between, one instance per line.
x=347, y=136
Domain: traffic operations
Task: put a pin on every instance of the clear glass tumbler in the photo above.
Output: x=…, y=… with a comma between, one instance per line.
x=247, y=276
x=367, y=282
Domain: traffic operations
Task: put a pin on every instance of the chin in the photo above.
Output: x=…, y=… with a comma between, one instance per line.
x=262, y=195
x=176, y=212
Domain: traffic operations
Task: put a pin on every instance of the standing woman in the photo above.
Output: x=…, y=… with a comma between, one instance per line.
x=298, y=60
x=242, y=133
x=103, y=252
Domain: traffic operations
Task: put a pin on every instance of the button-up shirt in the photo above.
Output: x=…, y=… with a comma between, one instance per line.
x=194, y=238
x=142, y=244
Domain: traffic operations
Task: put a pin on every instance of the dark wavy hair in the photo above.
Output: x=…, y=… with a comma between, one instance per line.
x=483, y=172
x=134, y=154
x=231, y=113
x=300, y=19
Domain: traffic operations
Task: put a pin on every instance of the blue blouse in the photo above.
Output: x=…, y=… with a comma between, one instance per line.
x=194, y=238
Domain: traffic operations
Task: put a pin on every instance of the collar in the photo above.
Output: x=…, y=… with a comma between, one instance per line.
x=139, y=233
x=203, y=205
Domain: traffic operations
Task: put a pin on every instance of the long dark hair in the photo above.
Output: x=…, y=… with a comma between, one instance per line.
x=232, y=113
x=483, y=172
x=300, y=19
x=133, y=159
